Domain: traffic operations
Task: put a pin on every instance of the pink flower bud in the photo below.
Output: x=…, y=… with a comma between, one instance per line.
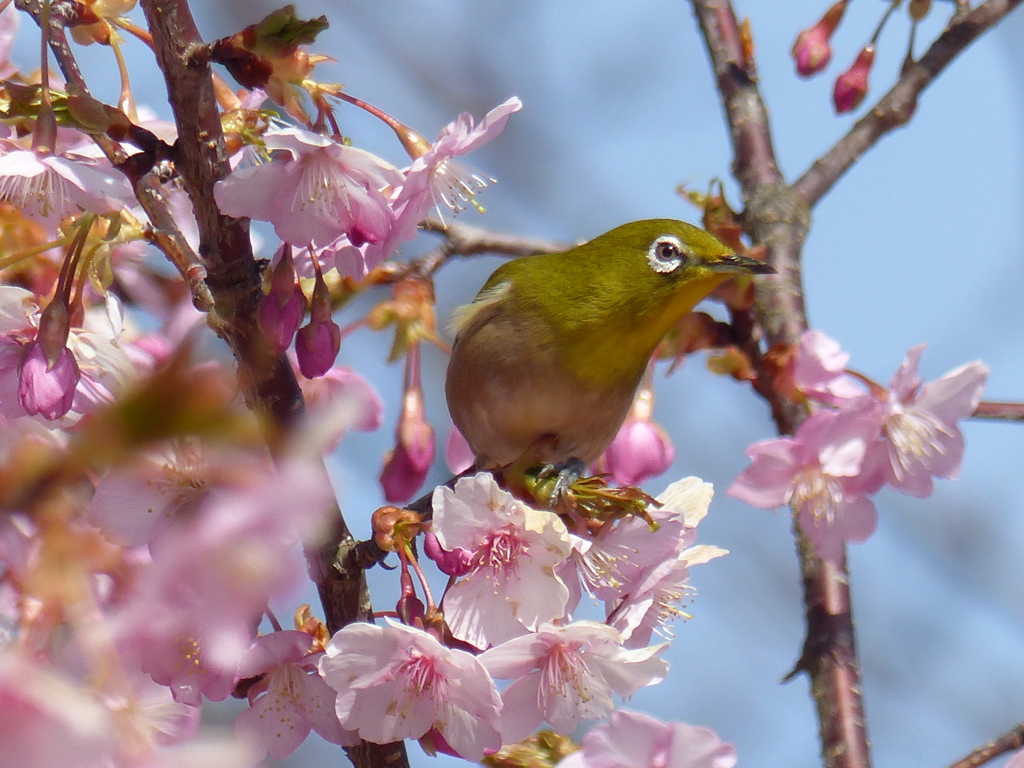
x=281, y=311
x=852, y=85
x=812, y=49
x=406, y=467
x=45, y=389
x=454, y=563
x=318, y=342
x=642, y=449
x=49, y=372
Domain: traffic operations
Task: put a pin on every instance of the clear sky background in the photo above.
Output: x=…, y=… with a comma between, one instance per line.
x=921, y=242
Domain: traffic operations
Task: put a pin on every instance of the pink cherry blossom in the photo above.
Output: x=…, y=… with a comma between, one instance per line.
x=820, y=370
x=565, y=675
x=1016, y=760
x=436, y=179
x=9, y=18
x=191, y=613
x=657, y=600
x=145, y=716
x=291, y=698
x=135, y=502
x=50, y=187
x=339, y=401
x=396, y=682
x=635, y=740
x=820, y=473
x=313, y=190
x=49, y=721
x=511, y=587
x=613, y=561
x=920, y=431
x=653, y=596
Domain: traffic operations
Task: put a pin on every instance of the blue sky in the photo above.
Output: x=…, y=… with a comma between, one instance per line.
x=921, y=242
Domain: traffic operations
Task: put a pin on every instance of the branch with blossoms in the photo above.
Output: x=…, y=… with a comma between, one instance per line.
x=130, y=452
x=148, y=518
x=846, y=441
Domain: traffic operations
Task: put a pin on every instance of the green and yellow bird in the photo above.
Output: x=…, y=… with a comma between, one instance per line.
x=548, y=356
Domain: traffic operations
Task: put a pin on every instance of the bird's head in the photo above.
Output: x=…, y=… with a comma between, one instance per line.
x=665, y=256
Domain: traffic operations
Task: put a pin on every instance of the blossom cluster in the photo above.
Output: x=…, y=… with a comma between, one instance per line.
x=162, y=577
x=518, y=575
x=857, y=441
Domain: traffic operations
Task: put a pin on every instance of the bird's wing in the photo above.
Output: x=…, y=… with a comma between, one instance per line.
x=484, y=306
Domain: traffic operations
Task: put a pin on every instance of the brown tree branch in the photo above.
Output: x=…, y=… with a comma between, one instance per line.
x=778, y=219
x=235, y=284
x=897, y=106
x=1009, y=741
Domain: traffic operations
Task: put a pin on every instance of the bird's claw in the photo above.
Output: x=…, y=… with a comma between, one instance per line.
x=568, y=472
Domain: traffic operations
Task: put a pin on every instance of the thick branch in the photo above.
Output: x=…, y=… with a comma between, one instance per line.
x=778, y=219
x=234, y=281
x=897, y=106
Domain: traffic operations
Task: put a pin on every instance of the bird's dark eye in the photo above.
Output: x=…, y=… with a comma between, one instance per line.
x=665, y=254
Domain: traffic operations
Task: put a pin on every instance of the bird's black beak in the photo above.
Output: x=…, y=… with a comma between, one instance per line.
x=742, y=265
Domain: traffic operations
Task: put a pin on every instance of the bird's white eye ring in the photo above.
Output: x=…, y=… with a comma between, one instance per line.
x=666, y=254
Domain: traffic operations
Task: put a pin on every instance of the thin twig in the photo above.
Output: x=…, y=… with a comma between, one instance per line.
x=1009, y=741
x=468, y=240
x=167, y=236
x=463, y=240
x=897, y=106
x=999, y=411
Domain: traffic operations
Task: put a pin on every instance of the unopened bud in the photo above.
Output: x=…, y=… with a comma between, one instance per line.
x=813, y=49
x=641, y=449
x=406, y=467
x=852, y=85
x=54, y=327
x=44, y=388
x=454, y=563
x=918, y=9
x=283, y=308
x=319, y=341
